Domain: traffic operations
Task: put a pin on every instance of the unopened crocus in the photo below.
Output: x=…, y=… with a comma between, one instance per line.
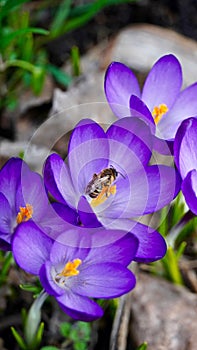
x=134, y=188
x=77, y=266
x=23, y=197
x=185, y=155
x=161, y=103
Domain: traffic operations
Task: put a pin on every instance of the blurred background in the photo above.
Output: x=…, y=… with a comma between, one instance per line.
x=39, y=37
x=53, y=55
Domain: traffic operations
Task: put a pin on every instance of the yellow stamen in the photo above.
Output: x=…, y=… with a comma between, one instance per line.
x=158, y=112
x=70, y=269
x=24, y=214
x=105, y=193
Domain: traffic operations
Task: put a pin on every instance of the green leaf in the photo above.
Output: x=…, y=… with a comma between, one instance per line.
x=80, y=16
x=84, y=330
x=10, y=5
x=181, y=250
x=60, y=76
x=65, y=328
x=9, y=37
x=80, y=345
x=164, y=224
x=142, y=346
x=39, y=334
x=60, y=17
x=6, y=265
x=170, y=262
x=24, y=65
x=19, y=339
x=84, y=18
x=30, y=288
x=37, y=80
x=74, y=336
x=75, y=60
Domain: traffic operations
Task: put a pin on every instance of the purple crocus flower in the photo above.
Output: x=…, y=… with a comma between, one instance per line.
x=134, y=188
x=185, y=155
x=77, y=266
x=22, y=198
x=161, y=103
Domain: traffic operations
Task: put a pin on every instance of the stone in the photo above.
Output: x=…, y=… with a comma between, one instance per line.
x=139, y=46
x=33, y=154
x=163, y=314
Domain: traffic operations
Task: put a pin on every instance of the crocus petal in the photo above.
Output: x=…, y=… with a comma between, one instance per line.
x=93, y=277
x=120, y=84
x=6, y=215
x=79, y=307
x=112, y=245
x=152, y=245
x=130, y=143
x=32, y=191
x=140, y=110
x=30, y=247
x=144, y=192
x=189, y=189
x=130, y=198
x=66, y=213
x=184, y=107
x=119, y=204
x=47, y=280
x=164, y=77
x=53, y=224
x=86, y=214
x=164, y=184
x=185, y=153
x=58, y=182
x=10, y=176
x=162, y=146
x=4, y=245
x=87, y=153
x=72, y=244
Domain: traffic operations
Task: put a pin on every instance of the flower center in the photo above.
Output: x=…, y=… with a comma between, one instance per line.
x=24, y=214
x=70, y=269
x=158, y=112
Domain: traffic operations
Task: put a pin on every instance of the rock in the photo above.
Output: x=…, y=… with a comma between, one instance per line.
x=163, y=314
x=139, y=46
x=33, y=154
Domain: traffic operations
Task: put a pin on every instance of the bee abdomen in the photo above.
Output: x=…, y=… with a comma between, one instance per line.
x=94, y=194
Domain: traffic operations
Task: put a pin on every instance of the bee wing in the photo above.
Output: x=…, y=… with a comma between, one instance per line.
x=95, y=184
x=100, y=181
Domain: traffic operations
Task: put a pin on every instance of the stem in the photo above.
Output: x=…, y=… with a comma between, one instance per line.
x=34, y=318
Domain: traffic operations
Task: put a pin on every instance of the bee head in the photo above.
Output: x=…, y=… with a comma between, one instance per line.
x=115, y=172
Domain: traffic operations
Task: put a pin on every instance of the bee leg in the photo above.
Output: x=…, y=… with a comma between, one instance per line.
x=105, y=193
x=101, y=198
x=112, y=189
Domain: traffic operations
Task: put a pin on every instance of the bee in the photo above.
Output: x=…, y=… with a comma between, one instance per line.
x=101, y=183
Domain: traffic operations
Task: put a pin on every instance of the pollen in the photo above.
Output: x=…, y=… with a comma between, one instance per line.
x=158, y=112
x=105, y=193
x=24, y=214
x=70, y=269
